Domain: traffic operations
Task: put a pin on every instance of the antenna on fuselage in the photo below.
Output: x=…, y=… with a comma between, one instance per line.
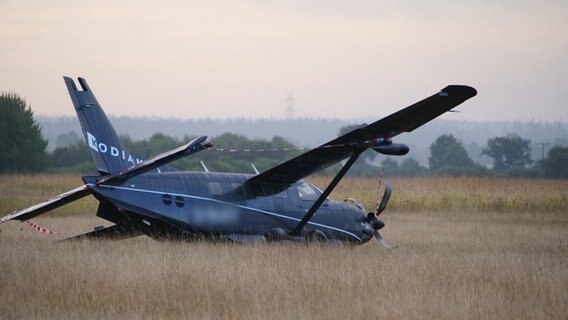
x=204, y=166
x=254, y=168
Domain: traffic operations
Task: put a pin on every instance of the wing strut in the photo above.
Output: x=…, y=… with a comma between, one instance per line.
x=297, y=231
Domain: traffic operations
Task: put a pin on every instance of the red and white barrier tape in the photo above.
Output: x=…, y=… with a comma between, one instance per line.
x=39, y=228
x=364, y=143
x=256, y=150
x=379, y=188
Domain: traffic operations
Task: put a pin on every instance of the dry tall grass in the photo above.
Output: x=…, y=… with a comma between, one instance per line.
x=452, y=263
x=410, y=194
x=463, y=193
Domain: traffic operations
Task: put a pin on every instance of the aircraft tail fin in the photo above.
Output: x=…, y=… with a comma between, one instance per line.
x=107, y=150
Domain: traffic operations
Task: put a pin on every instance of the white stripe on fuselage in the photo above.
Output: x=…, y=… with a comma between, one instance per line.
x=233, y=204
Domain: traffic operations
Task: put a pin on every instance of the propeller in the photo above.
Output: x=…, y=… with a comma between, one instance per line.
x=375, y=222
x=383, y=242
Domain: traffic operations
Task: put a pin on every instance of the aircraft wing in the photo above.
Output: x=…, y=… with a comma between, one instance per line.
x=55, y=202
x=362, y=138
x=158, y=161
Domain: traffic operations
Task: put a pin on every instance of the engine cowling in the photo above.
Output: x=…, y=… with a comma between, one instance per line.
x=391, y=149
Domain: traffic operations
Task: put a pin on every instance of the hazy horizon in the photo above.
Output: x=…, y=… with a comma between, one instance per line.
x=218, y=59
x=357, y=120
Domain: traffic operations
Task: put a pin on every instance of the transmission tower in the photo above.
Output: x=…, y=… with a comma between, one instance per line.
x=290, y=105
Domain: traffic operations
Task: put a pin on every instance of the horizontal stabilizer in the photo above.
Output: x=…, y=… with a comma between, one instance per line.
x=55, y=202
x=192, y=147
x=82, y=191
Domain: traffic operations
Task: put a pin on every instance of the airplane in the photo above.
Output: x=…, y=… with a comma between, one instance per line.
x=274, y=205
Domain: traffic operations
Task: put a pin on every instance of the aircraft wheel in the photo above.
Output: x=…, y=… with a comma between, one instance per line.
x=277, y=234
x=316, y=236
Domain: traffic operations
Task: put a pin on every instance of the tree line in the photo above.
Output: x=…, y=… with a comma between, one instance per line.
x=231, y=153
x=23, y=150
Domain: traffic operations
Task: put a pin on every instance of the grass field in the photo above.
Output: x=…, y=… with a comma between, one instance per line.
x=469, y=248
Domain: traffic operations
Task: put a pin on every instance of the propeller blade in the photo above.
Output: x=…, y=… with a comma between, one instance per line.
x=385, y=200
x=383, y=242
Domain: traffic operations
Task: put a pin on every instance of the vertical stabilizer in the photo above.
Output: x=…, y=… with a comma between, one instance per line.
x=106, y=148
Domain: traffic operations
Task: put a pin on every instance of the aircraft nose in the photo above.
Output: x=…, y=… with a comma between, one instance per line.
x=377, y=224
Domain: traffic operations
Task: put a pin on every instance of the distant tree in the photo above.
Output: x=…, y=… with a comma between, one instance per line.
x=72, y=157
x=66, y=139
x=555, y=165
x=448, y=151
x=346, y=129
x=508, y=153
x=368, y=155
x=232, y=140
x=244, y=152
x=409, y=167
x=560, y=142
x=22, y=147
x=363, y=167
x=155, y=145
x=280, y=142
x=390, y=167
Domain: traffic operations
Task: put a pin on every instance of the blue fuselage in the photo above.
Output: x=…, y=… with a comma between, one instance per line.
x=217, y=204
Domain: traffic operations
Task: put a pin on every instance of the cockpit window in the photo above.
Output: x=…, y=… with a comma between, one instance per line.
x=307, y=192
x=215, y=188
x=278, y=191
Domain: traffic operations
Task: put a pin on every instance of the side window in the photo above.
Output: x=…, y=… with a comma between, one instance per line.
x=215, y=188
x=282, y=195
x=167, y=199
x=267, y=189
x=281, y=191
x=237, y=189
x=306, y=192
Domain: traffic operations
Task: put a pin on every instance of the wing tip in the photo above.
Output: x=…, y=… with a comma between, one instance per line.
x=9, y=216
x=458, y=89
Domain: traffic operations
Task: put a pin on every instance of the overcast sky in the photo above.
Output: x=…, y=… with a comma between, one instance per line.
x=342, y=59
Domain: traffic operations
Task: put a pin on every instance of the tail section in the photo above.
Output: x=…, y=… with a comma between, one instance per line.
x=106, y=148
